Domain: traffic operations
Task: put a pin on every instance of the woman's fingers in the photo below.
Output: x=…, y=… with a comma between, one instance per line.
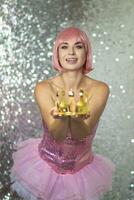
x=55, y=114
x=81, y=116
x=53, y=111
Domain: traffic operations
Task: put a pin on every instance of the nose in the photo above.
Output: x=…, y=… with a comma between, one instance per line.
x=71, y=51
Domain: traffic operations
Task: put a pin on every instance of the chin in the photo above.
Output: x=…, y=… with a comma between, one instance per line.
x=71, y=67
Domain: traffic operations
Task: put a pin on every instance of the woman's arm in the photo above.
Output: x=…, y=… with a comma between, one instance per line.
x=57, y=127
x=79, y=128
x=82, y=128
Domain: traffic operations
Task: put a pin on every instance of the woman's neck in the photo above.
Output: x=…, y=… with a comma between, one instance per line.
x=72, y=80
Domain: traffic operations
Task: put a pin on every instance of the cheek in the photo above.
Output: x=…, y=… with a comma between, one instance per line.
x=83, y=56
x=60, y=55
x=83, y=59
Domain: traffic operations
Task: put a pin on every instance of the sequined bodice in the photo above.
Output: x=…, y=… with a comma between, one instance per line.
x=68, y=156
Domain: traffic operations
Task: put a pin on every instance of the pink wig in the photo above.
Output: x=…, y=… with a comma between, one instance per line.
x=66, y=34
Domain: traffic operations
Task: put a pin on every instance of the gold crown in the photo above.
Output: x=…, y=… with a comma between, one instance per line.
x=68, y=106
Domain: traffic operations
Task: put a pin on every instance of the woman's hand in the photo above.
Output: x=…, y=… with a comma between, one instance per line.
x=56, y=115
x=79, y=117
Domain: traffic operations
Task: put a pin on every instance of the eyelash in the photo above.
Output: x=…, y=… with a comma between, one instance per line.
x=63, y=47
x=78, y=46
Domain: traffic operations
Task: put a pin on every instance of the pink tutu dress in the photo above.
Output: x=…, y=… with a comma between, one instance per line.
x=46, y=170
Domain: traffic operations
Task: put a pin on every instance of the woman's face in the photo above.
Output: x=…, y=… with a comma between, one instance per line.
x=72, y=54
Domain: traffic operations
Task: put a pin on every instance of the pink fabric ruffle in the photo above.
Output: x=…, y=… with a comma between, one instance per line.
x=33, y=178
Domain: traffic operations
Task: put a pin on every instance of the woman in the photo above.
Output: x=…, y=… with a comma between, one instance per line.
x=61, y=165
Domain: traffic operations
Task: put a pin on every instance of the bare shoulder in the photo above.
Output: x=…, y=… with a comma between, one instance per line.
x=45, y=90
x=97, y=87
x=97, y=103
x=42, y=87
x=103, y=89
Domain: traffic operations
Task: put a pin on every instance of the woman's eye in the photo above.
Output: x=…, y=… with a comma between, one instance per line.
x=79, y=46
x=63, y=47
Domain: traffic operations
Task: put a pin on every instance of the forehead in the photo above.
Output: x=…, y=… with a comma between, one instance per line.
x=67, y=42
x=70, y=37
x=71, y=40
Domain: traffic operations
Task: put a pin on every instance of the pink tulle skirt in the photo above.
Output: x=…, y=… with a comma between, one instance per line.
x=33, y=178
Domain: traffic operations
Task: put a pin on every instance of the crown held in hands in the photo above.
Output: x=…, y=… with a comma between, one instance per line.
x=68, y=106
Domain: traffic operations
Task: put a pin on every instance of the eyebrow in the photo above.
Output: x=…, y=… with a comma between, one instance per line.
x=75, y=43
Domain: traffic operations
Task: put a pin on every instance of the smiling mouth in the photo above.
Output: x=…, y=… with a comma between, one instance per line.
x=71, y=60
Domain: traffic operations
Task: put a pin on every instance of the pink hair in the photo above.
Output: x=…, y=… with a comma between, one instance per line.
x=66, y=34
